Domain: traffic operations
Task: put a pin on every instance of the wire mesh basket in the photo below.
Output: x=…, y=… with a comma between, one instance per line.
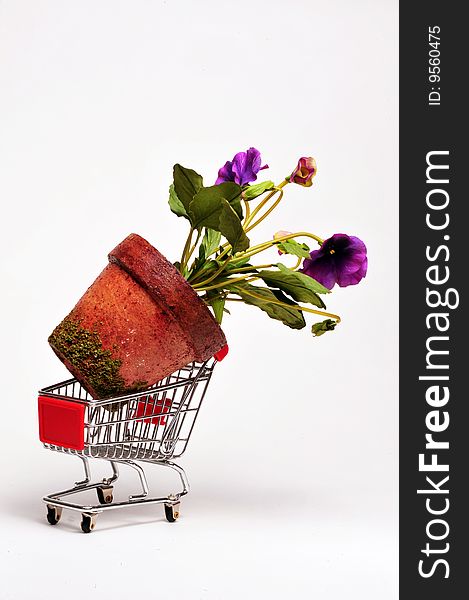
x=153, y=426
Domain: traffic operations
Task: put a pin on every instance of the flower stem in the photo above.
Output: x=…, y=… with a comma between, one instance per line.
x=261, y=247
x=193, y=247
x=184, y=252
x=243, y=269
x=248, y=210
x=202, y=287
x=212, y=277
x=263, y=203
x=298, y=262
x=266, y=214
x=202, y=284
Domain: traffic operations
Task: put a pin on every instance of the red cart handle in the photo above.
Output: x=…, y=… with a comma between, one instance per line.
x=220, y=355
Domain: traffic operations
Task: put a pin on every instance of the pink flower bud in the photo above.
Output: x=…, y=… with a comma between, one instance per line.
x=281, y=234
x=304, y=171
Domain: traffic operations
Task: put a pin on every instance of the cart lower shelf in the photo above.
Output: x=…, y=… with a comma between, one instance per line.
x=105, y=493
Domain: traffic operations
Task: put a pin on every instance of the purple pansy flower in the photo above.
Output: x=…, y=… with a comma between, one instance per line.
x=341, y=259
x=242, y=169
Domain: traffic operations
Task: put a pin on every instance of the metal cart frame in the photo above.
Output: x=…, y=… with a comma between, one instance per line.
x=152, y=427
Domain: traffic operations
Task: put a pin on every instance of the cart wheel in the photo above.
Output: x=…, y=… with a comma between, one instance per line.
x=53, y=514
x=88, y=523
x=171, y=512
x=104, y=495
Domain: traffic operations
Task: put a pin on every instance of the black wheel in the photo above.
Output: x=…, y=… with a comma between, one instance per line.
x=104, y=495
x=171, y=512
x=87, y=523
x=53, y=515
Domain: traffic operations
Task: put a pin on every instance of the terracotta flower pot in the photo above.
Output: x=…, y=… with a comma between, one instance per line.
x=137, y=323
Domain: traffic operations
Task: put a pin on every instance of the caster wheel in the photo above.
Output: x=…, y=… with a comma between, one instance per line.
x=171, y=512
x=104, y=495
x=53, y=514
x=88, y=523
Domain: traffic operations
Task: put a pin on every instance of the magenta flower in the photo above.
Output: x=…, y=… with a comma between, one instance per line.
x=341, y=259
x=304, y=172
x=242, y=169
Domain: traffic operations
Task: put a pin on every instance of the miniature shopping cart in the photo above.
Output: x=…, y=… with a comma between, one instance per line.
x=153, y=426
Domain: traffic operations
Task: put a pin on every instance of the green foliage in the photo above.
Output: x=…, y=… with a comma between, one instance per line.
x=257, y=189
x=216, y=299
x=210, y=242
x=186, y=185
x=321, y=328
x=216, y=212
x=306, y=279
x=208, y=199
x=232, y=193
x=230, y=226
x=266, y=300
x=203, y=269
x=217, y=208
x=243, y=263
x=175, y=204
x=218, y=305
x=293, y=247
x=209, y=209
x=297, y=285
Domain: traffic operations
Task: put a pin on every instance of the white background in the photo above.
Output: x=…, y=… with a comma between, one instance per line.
x=293, y=461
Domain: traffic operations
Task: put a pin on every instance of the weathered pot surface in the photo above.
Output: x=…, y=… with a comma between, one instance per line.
x=137, y=323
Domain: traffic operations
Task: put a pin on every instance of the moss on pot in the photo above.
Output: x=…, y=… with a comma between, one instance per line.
x=84, y=351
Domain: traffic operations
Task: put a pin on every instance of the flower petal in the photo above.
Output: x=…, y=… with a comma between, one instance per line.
x=225, y=173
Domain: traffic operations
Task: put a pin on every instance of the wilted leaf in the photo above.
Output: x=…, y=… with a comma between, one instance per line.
x=321, y=328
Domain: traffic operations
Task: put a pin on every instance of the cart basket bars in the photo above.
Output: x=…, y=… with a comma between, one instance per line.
x=150, y=425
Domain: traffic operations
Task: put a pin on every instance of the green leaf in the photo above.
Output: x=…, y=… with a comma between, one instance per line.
x=293, y=247
x=186, y=185
x=321, y=328
x=208, y=201
x=201, y=267
x=266, y=300
x=205, y=209
x=253, y=191
x=234, y=265
x=216, y=300
x=210, y=243
x=175, y=204
x=209, y=209
x=232, y=193
x=294, y=284
x=218, y=305
x=306, y=279
x=230, y=226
